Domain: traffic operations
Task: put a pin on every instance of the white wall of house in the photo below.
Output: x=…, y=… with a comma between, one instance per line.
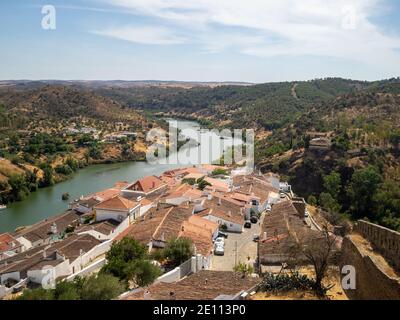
x=82, y=209
x=48, y=275
x=3, y=291
x=102, y=214
x=88, y=257
x=177, y=201
x=97, y=235
x=232, y=226
x=26, y=244
x=144, y=209
x=16, y=276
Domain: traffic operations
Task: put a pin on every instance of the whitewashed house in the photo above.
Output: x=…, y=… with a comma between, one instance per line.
x=118, y=209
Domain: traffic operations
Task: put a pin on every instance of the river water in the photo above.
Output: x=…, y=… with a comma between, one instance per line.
x=47, y=202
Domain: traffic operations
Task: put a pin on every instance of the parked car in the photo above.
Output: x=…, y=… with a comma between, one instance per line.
x=220, y=240
x=306, y=214
x=222, y=235
x=219, y=250
x=256, y=238
x=254, y=219
x=247, y=224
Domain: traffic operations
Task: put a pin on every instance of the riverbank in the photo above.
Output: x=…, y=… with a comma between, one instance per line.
x=47, y=202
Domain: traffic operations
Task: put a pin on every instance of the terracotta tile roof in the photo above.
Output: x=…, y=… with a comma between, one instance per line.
x=147, y=184
x=70, y=248
x=105, y=194
x=284, y=230
x=121, y=185
x=218, y=184
x=8, y=242
x=200, y=231
x=143, y=229
x=243, y=197
x=171, y=224
x=204, y=285
x=224, y=208
x=118, y=203
x=145, y=202
x=41, y=230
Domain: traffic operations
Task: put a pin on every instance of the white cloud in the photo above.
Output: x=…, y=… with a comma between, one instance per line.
x=143, y=35
x=265, y=28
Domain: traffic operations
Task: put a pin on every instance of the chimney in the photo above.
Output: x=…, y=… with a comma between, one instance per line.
x=209, y=197
x=183, y=228
x=265, y=236
x=153, y=185
x=229, y=213
x=219, y=201
x=53, y=228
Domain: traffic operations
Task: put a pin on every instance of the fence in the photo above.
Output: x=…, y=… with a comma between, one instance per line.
x=386, y=241
x=88, y=270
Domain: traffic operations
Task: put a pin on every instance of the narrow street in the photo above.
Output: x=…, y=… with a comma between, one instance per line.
x=238, y=248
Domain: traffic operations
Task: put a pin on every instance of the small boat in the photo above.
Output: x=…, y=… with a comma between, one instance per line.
x=2, y=207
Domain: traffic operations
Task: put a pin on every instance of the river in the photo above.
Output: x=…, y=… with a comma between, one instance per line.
x=47, y=202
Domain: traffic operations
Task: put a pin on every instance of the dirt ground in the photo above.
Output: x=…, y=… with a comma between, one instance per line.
x=335, y=293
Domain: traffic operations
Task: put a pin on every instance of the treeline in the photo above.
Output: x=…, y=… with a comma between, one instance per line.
x=268, y=106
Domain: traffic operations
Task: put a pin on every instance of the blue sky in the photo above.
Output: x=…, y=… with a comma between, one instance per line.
x=201, y=40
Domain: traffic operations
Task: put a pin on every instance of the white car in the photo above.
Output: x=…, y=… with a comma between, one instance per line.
x=219, y=250
x=220, y=240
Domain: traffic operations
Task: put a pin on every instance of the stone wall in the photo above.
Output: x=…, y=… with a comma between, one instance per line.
x=372, y=282
x=385, y=241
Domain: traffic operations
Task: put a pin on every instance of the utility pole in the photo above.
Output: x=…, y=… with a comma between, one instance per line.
x=236, y=251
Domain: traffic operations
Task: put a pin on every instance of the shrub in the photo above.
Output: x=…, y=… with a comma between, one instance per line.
x=178, y=250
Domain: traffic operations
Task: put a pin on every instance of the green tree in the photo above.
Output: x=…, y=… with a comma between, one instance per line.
x=19, y=188
x=178, y=250
x=101, y=287
x=312, y=200
x=332, y=184
x=363, y=186
x=39, y=294
x=328, y=202
x=48, y=176
x=202, y=184
x=143, y=272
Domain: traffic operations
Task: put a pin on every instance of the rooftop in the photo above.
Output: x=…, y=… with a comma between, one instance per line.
x=147, y=184
x=204, y=285
x=42, y=230
x=8, y=242
x=118, y=203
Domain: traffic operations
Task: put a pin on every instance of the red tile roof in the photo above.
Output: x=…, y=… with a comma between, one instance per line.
x=117, y=203
x=7, y=241
x=147, y=184
x=203, y=285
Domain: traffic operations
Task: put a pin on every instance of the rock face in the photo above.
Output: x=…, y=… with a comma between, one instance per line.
x=376, y=279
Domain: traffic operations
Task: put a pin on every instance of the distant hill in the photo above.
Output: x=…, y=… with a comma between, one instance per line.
x=265, y=106
x=97, y=84
x=61, y=102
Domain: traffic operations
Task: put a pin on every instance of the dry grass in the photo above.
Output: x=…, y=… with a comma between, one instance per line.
x=7, y=169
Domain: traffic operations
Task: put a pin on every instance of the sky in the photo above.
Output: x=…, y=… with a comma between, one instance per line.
x=200, y=40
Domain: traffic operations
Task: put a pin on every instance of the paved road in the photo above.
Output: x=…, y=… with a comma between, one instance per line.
x=238, y=248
